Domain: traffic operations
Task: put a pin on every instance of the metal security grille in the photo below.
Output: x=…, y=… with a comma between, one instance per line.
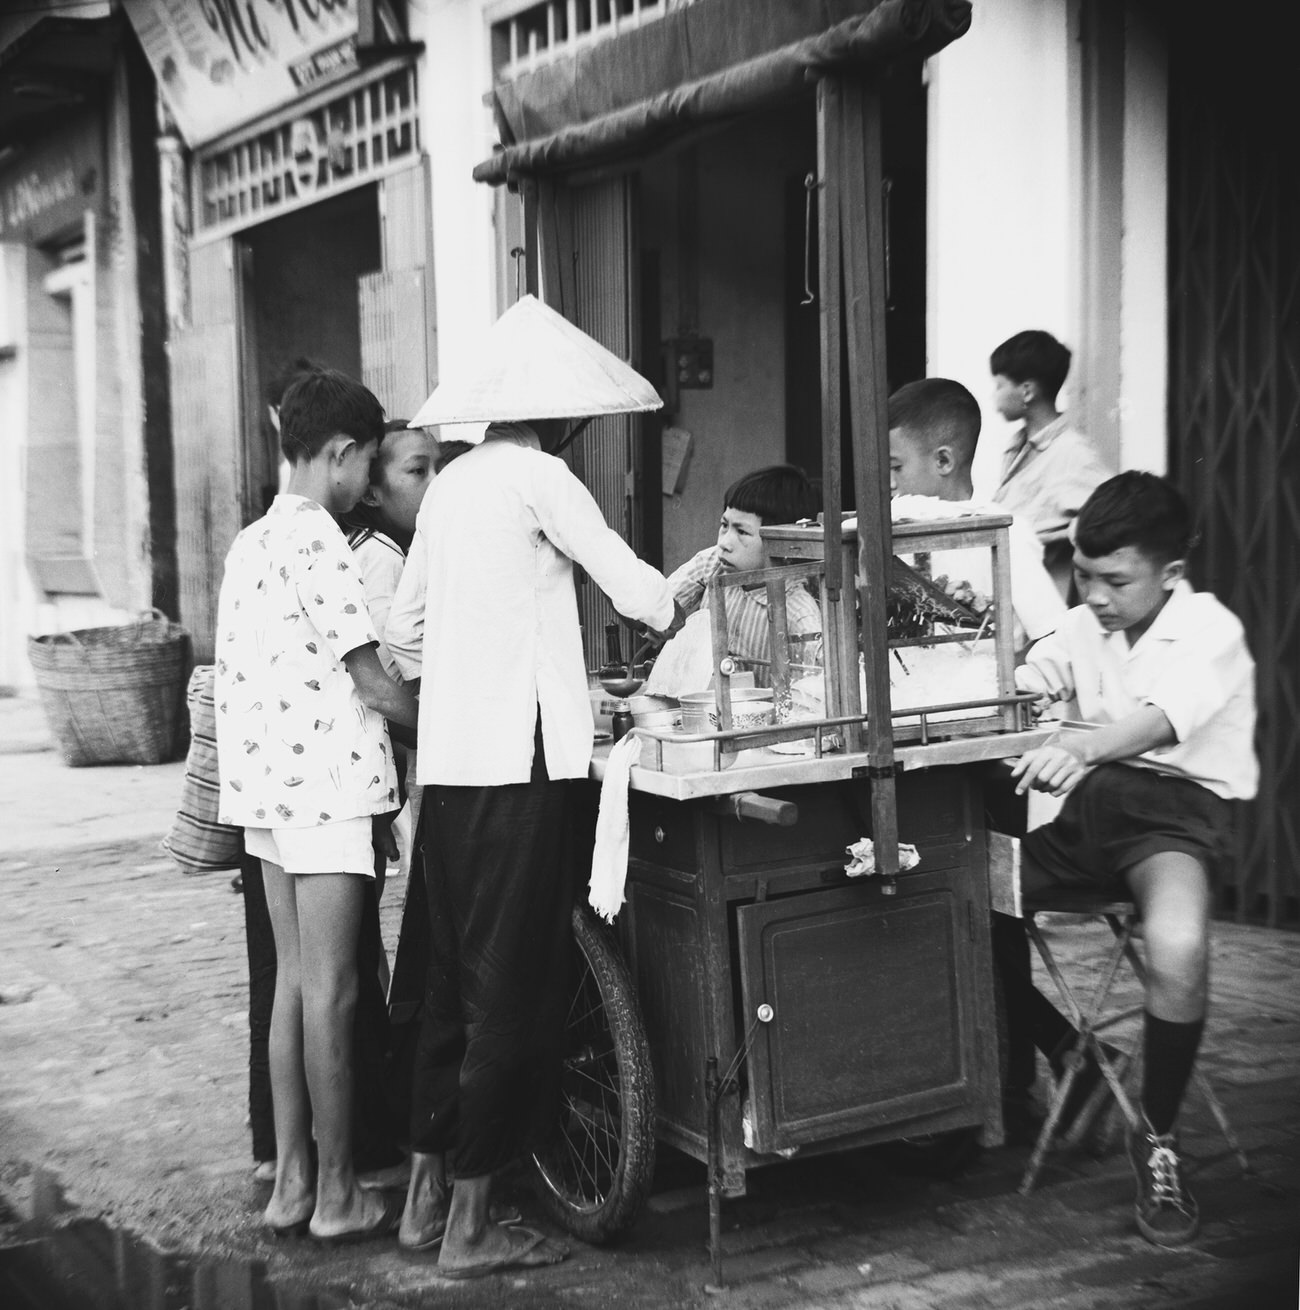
x=316, y=149
x=394, y=339
x=1235, y=417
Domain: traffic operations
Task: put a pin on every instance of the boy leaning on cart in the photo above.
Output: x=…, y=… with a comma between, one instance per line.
x=1166, y=673
x=779, y=493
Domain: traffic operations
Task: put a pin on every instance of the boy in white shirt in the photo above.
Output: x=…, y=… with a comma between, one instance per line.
x=1048, y=469
x=934, y=425
x=1147, y=796
x=305, y=764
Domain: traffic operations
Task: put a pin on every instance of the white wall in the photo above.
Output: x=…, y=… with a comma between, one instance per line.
x=1001, y=237
x=17, y=602
x=1005, y=246
x=457, y=132
x=1144, y=331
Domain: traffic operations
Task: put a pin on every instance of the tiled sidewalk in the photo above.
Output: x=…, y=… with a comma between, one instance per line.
x=122, y=1027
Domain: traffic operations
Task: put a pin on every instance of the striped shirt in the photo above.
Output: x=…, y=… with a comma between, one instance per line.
x=747, y=616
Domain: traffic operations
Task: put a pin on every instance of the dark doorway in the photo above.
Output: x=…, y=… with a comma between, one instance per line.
x=903, y=131
x=300, y=299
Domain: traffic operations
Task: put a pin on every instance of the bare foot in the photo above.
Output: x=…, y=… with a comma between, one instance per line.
x=425, y=1218
x=293, y=1200
x=498, y=1249
x=362, y=1212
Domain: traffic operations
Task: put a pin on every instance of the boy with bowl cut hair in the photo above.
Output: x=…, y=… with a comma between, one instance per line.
x=1166, y=673
x=778, y=493
x=305, y=766
x=1049, y=469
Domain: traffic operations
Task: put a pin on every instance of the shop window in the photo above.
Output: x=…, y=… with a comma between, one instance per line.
x=60, y=465
x=537, y=34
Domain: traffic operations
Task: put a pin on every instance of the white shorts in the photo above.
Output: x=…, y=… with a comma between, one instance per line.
x=344, y=846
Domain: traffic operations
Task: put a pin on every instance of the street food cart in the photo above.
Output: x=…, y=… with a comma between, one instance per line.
x=790, y=1007
x=756, y=1001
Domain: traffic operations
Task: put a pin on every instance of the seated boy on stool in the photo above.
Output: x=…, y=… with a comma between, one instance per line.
x=1166, y=671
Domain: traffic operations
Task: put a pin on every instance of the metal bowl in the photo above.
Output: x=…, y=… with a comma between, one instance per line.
x=751, y=707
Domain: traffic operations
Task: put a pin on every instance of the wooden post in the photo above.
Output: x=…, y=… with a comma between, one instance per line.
x=862, y=237
x=839, y=625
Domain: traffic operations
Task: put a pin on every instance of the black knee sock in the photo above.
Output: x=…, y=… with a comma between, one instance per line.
x=1169, y=1051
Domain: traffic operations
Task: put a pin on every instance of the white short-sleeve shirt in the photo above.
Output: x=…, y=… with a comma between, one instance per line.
x=295, y=745
x=1192, y=663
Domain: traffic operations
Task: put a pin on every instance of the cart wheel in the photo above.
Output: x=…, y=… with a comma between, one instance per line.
x=596, y=1171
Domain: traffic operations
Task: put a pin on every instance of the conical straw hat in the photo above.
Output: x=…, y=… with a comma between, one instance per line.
x=533, y=363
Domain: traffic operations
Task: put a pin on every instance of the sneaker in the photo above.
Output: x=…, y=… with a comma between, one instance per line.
x=1167, y=1213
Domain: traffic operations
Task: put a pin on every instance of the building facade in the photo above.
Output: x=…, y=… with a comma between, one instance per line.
x=222, y=190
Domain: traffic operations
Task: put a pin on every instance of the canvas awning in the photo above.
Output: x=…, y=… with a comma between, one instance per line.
x=698, y=64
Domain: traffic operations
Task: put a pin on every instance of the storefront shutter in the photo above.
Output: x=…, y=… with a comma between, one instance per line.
x=397, y=314
x=57, y=549
x=206, y=433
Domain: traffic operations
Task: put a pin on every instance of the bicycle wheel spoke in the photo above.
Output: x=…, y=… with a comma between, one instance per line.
x=582, y=1172
x=586, y=1125
x=602, y=1084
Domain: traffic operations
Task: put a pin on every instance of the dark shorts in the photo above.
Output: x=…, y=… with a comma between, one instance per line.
x=1117, y=817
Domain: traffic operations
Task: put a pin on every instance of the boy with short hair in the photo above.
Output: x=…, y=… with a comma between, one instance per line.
x=934, y=426
x=1049, y=469
x=305, y=767
x=778, y=493
x=1147, y=810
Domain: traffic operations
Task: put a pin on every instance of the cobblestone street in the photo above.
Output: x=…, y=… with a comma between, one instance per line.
x=123, y=1073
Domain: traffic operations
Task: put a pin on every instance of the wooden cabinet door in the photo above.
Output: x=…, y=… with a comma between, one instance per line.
x=874, y=1013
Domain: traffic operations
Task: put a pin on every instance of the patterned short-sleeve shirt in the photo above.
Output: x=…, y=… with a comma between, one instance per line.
x=295, y=745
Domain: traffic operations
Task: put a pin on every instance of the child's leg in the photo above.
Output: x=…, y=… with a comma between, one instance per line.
x=294, y=1196
x=1172, y=891
x=329, y=915
x=261, y=1001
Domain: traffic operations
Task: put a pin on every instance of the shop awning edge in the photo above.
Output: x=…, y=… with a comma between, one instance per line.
x=890, y=29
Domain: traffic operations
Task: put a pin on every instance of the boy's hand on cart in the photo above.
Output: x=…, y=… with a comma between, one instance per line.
x=1053, y=768
x=1031, y=680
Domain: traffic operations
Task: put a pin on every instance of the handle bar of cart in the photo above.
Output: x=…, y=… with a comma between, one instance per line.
x=730, y=741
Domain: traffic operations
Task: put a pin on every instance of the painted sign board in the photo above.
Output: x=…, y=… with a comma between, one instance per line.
x=223, y=63
x=46, y=190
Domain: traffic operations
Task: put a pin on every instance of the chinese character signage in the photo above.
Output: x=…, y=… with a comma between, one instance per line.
x=222, y=63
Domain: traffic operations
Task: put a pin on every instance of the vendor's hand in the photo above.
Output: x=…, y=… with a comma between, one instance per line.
x=674, y=627
x=1055, y=769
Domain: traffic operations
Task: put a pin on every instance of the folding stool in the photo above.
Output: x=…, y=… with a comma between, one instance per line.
x=1122, y=917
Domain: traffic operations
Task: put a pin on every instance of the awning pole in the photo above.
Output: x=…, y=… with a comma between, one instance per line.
x=863, y=246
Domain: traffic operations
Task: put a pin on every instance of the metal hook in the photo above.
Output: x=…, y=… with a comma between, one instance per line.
x=517, y=253
x=810, y=184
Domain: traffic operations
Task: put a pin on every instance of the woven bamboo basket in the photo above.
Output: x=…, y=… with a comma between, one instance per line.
x=114, y=695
